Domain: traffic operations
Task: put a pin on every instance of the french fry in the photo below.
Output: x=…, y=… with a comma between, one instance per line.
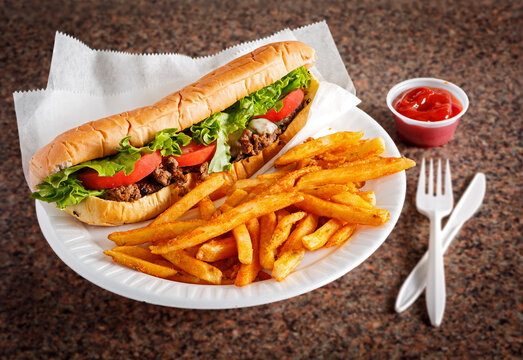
x=190, y=199
x=246, y=184
x=154, y=233
x=288, y=181
x=280, y=214
x=141, y=265
x=272, y=176
x=368, y=196
x=193, y=266
x=318, y=146
x=365, y=149
x=342, y=235
x=378, y=168
x=280, y=234
x=305, y=226
x=287, y=263
x=138, y=252
x=243, y=243
x=229, y=220
x=326, y=191
x=320, y=237
x=218, y=249
x=268, y=223
x=283, y=229
x=341, y=212
x=352, y=199
x=192, y=250
x=206, y=208
x=187, y=278
x=248, y=272
x=234, y=199
x=304, y=163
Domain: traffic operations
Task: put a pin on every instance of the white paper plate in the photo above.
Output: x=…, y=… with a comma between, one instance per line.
x=81, y=248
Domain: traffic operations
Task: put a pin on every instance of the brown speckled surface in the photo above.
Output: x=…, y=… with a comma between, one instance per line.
x=47, y=311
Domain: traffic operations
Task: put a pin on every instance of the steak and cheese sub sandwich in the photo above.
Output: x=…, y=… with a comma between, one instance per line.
x=131, y=166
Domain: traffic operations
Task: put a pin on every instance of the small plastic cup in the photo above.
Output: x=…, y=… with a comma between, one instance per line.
x=427, y=133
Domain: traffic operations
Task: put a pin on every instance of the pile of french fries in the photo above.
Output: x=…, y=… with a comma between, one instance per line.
x=267, y=223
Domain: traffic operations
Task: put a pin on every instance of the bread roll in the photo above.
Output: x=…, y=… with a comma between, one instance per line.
x=213, y=93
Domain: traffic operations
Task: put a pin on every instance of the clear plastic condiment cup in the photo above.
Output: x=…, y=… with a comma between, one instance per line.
x=427, y=133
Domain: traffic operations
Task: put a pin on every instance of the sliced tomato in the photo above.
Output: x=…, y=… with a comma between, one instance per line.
x=290, y=103
x=142, y=168
x=194, y=154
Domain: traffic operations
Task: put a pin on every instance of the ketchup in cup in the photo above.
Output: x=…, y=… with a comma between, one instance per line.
x=427, y=111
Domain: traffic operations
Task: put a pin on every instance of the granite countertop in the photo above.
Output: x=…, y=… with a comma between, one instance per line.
x=48, y=311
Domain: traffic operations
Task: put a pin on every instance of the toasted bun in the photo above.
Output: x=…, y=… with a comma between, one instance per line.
x=213, y=93
x=96, y=211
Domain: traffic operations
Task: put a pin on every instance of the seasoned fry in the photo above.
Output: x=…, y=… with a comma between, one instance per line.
x=304, y=163
x=234, y=199
x=206, y=208
x=154, y=233
x=272, y=176
x=351, y=199
x=246, y=184
x=248, y=272
x=187, y=278
x=190, y=199
x=281, y=233
x=341, y=212
x=141, y=265
x=227, y=221
x=138, y=252
x=318, y=146
x=373, y=147
x=268, y=223
x=378, y=168
x=283, y=229
x=287, y=263
x=305, y=226
x=342, y=235
x=368, y=196
x=192, y=250
x=193, y=266
x=318, y=238
x=280, y=214
x=327, y=191
x=243, y=243
x=288, y=181
x=218, y=249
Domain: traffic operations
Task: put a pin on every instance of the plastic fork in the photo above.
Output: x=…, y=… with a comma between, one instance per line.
x=435, y=205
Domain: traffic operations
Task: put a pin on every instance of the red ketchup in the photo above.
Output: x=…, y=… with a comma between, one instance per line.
x=429, y=105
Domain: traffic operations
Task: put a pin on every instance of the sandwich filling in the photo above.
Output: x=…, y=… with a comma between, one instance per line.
x=238, y=132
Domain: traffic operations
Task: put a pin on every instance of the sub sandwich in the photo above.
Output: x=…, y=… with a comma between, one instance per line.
x=131, y=166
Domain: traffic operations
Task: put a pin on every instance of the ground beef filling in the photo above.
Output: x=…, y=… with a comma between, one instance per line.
x=164, y=175
x=252, y=144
